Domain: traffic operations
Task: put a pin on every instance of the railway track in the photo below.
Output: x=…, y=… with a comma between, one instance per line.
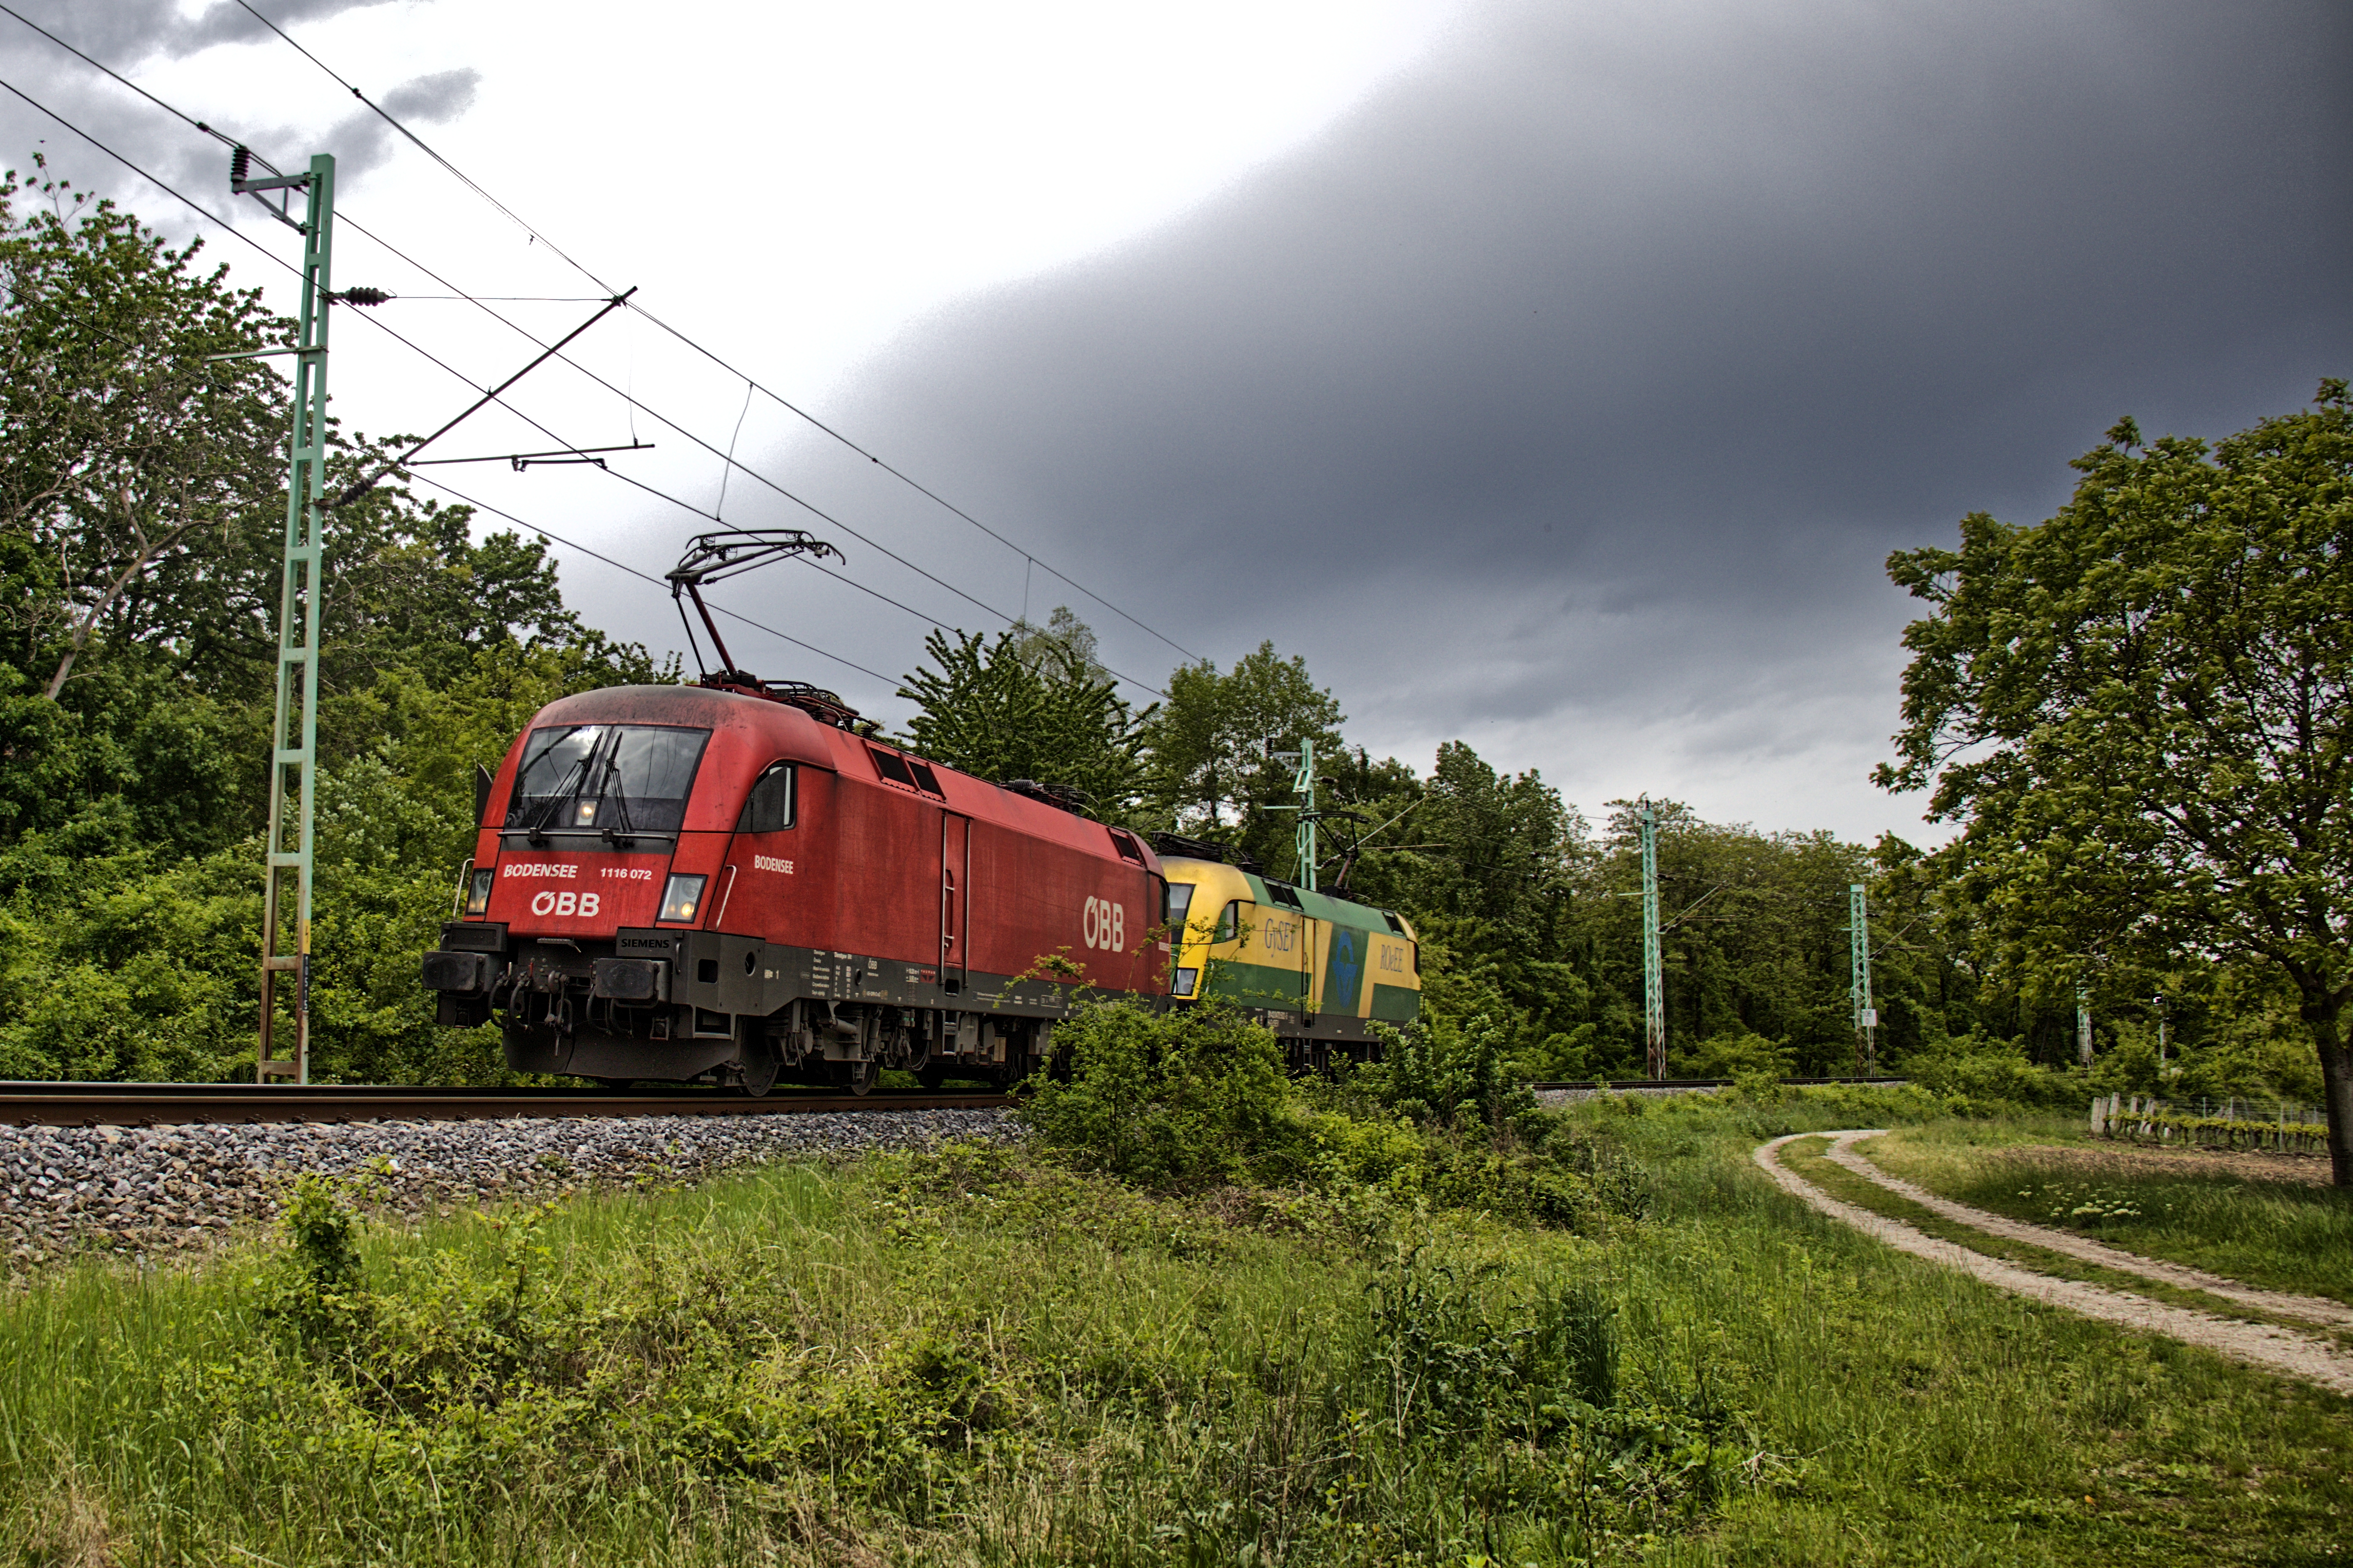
x=1621, y=1085
x=47, y=1104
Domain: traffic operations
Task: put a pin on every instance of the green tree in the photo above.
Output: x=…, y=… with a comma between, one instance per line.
x=124, y=446
x=1064, y=644
x=1027, y=707
x=2137, y=709
x=1210, y=774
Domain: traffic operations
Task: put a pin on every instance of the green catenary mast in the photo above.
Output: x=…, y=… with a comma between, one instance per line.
x=1866, y=1017
x=1303, y=786
x=1654, y=979
x=294, y=731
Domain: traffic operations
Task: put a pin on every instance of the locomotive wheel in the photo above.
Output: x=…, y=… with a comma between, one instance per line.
x=761, y=1061
x=761, y=1065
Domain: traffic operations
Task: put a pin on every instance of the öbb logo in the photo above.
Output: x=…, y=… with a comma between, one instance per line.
x=1106, y=924
x=566, y=903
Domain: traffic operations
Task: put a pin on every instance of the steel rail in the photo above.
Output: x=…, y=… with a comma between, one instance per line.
x=1620, y=1085
x=46, y=1103
x=52, y=1104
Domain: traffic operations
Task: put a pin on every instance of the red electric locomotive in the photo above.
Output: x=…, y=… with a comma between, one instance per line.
x=735, y=880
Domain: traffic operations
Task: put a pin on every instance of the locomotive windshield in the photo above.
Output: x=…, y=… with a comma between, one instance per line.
x=611, y=780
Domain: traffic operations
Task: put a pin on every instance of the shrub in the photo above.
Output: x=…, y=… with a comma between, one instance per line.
x=1992, y=1074
x=1194, y=1096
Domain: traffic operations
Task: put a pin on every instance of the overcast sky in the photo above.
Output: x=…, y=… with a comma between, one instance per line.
x=1555, y=377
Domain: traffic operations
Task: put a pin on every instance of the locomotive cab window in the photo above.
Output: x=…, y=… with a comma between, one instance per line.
x=605, y=779
x=1229, y=921
x=1175, y=901
x=769, y=807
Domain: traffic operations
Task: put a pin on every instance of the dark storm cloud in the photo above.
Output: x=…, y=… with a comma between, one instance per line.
x=364, y=140
x=126, y=35
x=1591, y=368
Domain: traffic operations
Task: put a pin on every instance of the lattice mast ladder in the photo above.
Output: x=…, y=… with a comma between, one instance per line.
x=1654, y=977
x=294, y=731
x=1866, y=1017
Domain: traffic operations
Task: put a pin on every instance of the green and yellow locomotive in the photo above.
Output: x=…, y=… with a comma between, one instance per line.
x=1317, y=970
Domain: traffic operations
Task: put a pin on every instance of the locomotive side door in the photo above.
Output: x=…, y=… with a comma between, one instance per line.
x=955, y=902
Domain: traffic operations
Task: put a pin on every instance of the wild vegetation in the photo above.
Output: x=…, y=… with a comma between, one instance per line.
x=1260, y=1321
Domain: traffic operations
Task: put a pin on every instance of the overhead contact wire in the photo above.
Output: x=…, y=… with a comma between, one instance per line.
x=439, y=362
x=728, y=457
x=455, y=173
x=657, y=581
x=458, y=293
x=781, y=401
x=910, y=481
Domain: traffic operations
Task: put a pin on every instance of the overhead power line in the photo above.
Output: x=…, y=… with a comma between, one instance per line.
x=453, y=371
x=439, y=363
x=907, y=479
x=456, y=173
x=657, y=581
x=778, y=398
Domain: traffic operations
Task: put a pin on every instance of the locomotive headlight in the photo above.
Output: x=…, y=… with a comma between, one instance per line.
x=682, y=896
x=478, y=894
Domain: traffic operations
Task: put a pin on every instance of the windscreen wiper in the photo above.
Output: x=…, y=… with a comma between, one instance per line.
x=535, y=830
x=616, y=795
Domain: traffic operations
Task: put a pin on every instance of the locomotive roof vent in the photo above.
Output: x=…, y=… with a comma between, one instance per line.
x=1077, y=802
x=1184, y=848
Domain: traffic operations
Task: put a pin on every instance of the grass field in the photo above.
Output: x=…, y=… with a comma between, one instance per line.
x=2283, y=1234
x=977, y=1358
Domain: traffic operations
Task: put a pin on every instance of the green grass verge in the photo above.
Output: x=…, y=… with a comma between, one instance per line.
x=2281, y=1235
x=974, y=1358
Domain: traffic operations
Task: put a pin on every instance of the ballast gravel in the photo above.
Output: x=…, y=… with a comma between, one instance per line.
x=148, y=1190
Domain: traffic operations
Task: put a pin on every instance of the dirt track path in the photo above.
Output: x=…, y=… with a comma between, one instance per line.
x=2304, y=1308
x=2298, y=1355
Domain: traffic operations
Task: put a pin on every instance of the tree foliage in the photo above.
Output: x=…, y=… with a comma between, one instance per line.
x=1030, y=705
x=2137, y=710
x=1208, y=745
x=127, y=451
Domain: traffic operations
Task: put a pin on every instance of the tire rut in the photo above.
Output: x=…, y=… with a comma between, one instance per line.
x=2281, y=1303
x=2298, y=1355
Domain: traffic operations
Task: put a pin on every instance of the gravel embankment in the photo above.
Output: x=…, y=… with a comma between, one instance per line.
x=134, y=1189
